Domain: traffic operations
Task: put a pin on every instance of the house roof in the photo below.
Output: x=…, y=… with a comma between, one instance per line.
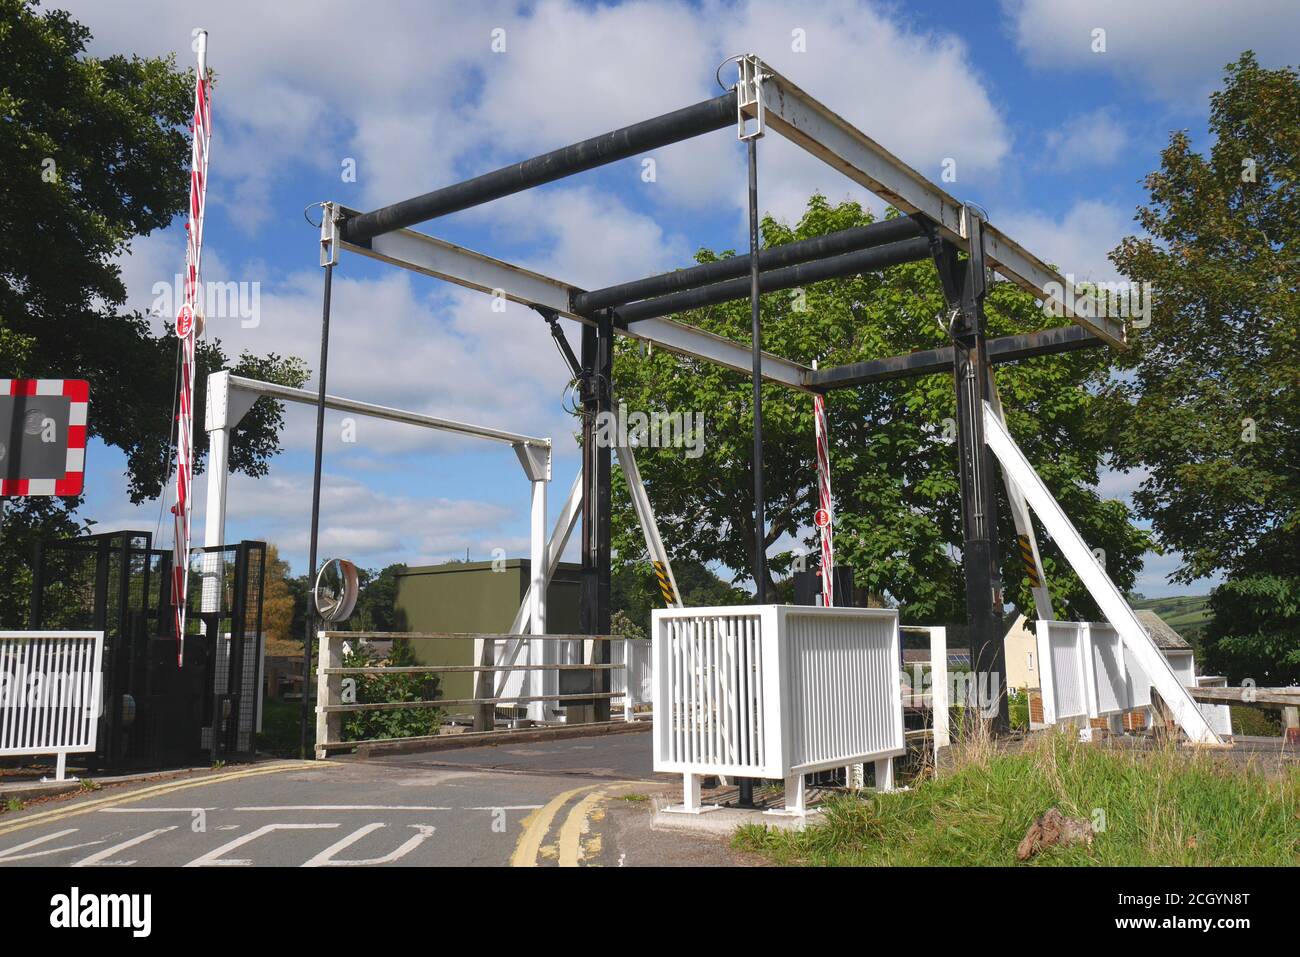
x=1161, y=633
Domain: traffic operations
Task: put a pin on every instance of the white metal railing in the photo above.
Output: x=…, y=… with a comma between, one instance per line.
x=50, y=690
x=334, y=699
x=635, y=679
x=939, y=698
x=774, y=691
x=1087, y=671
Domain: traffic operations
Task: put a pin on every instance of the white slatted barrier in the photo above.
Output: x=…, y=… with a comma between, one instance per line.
x=636, y=679
x=776, y=692
x=1088, y=672
x=1062, y=671
x=50, y=691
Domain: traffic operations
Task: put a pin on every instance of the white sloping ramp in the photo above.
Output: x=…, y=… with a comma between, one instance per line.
x=1094, y=577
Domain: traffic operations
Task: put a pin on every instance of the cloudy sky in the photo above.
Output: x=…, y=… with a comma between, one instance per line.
x=1049, y=136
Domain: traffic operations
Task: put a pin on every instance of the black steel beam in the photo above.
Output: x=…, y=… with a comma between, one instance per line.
x=790, y=254
x=848, y=264
x=931, y=361
x=650, y=134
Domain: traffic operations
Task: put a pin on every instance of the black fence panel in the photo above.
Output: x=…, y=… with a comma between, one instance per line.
x=158, y=713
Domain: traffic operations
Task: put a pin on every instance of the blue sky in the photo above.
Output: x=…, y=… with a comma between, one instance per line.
x=1049, y=136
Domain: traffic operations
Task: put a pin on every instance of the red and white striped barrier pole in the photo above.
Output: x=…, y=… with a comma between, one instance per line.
x=825, y=517
x=188, y=327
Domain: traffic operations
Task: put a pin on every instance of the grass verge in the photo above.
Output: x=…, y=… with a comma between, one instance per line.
x=1168, y=806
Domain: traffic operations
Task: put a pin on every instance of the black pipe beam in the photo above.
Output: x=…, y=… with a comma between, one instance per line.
x=848, y=264
x=931, y=361
x=674, y=127
x=775, y=257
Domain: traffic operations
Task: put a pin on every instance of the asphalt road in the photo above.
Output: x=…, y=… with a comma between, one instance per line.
x=578, y=802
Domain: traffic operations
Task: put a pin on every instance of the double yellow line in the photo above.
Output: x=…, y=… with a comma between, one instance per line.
x=528, y=849
x=85, y=807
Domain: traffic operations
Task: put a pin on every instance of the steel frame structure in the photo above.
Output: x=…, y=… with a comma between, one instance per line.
x=954, y=235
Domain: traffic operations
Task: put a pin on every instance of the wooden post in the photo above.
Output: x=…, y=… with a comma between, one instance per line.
x=485, y=714
x=329, y=690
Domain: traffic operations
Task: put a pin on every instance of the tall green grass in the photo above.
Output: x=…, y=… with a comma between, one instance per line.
x=1168, y=806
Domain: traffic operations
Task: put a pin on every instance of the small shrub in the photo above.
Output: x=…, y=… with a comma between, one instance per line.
x=401, y=723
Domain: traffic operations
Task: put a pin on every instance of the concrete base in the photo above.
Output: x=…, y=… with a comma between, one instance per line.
x=683, y=809
x=723, y=821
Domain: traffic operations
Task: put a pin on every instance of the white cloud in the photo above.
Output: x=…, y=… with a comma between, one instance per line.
x=1176, y=49
x=1077, y=242
x=1096, y=138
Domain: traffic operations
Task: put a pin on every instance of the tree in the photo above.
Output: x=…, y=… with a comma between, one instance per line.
x=278, y=603
x=1255, y=629
x=1208, y=404
x=377, y=602
x=94, y=153
x=893, y=460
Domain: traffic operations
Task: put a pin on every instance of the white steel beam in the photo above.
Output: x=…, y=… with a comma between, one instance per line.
x=1024, y=524
x=645, y=513
x=424, y=254
x=809, y=124
x=1094, y=577
x=339, y=404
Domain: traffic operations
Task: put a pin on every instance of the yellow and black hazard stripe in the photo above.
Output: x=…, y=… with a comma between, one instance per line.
x=1027, y=556
x=665, y=585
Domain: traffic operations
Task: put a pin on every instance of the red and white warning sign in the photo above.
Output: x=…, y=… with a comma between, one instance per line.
x=821, y=518
x=43, y=436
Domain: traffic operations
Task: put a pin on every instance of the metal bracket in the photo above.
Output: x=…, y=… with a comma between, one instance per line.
x=536, y=461
x=329, y=234
x=749, y=93
x=972, y=229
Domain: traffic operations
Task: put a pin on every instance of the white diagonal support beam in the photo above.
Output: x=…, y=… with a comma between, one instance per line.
x=443, y=260
x=806, y=122
x=1024, y=524
x=645, y=514
x=1094, y=577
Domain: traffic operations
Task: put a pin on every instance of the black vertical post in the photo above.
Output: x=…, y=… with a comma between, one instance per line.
x=964, y=283
x=604, y=509
x=745, y=786
x=589, y=584
x=594, y=594
x=315, y=512
x=756, y=346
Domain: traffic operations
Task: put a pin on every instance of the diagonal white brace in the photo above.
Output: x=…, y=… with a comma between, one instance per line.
x=1094, y=577
x=1024, y=524
x=646, y=516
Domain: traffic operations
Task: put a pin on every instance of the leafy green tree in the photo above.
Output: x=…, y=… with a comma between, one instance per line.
x=95, y=152
x=377, y=602
x=1210, y=406
x=1208, y=403
x=893, y=460
x=403, y=723
x=1255, y=632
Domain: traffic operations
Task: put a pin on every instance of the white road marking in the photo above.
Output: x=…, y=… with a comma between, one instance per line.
x=214, y=858
x=154, y=810
x=383, y=807
x=326, y=857
x=12, y=853
x=102, y=858
x=341, y=807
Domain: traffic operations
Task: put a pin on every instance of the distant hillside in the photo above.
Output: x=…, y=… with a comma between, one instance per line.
x=1186, y=614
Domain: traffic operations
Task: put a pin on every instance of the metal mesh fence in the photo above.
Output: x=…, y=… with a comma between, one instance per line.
x=157, y=712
